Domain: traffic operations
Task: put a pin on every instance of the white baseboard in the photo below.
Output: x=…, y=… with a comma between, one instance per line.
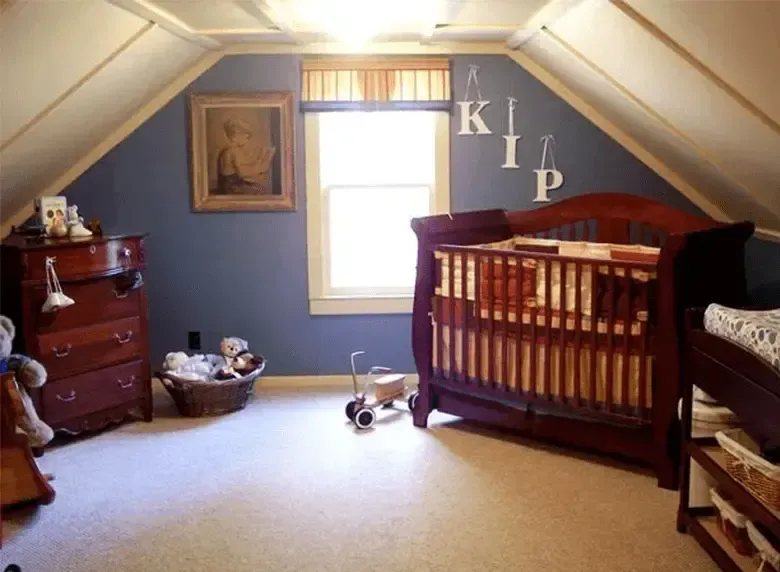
x=319, y=381
x=313, y=381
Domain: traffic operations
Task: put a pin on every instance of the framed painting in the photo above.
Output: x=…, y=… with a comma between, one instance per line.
x=243, y=151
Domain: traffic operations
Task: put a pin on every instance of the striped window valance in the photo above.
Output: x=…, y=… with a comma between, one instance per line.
x=344, y=83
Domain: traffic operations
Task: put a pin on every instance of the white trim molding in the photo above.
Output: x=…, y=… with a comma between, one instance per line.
x=323, y=382
x=320, y=303
x=307, y=382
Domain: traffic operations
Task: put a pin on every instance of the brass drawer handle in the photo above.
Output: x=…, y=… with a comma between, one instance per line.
x=121, y=295
x=62, y=352
x=71, y=396
x=121, y=340
x=130, y=382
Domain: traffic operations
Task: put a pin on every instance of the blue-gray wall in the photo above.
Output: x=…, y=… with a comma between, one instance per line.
x=246, y=274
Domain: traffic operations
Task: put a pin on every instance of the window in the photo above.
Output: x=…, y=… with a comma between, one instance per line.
x=368, y=173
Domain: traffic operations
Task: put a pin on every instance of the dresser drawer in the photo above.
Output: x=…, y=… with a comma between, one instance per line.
x=71, y=397
x=98, y=300
x=70, y=352
x=81, y=259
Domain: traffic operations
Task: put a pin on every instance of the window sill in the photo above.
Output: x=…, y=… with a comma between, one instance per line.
x=361, y=305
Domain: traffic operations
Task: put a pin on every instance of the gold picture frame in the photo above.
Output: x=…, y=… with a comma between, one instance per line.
x=242, y=148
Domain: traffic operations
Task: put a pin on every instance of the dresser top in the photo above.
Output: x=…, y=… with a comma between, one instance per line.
x=31, y=242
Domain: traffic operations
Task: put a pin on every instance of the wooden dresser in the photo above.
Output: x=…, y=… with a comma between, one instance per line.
x=96, y=351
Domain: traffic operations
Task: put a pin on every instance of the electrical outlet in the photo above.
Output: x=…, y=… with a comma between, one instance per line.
x=194, y=340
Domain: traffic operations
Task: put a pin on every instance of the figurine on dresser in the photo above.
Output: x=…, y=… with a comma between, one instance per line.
x=96, y=351
x=76, y=223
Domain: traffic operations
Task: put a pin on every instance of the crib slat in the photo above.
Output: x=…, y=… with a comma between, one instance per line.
x=505, y=321
x=561, y=393
x=477, y=331
x=464, y=328
x=548, y=298
x=519, y=309
x=534, y=353
x=453, y=373
x=594, y=322
x=491, y=321
x=438, y=310
x=577, y=330
x=643, y=347
x=628, y=321
x=610, y=377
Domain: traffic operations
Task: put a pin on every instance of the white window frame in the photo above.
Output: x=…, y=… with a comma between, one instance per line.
x=320, y=301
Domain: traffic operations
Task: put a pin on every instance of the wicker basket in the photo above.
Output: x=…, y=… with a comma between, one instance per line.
x=213, y=397
x=746, y=466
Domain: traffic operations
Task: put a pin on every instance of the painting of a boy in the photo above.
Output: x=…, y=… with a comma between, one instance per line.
x=243, y=151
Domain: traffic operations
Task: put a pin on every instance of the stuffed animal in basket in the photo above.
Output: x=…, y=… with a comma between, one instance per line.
x=188, y=367
x=237, y=360
x=29, y=374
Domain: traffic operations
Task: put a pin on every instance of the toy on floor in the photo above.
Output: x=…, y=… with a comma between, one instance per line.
x=389, y=387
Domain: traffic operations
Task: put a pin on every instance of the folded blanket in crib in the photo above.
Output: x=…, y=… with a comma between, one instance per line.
x=756, y=330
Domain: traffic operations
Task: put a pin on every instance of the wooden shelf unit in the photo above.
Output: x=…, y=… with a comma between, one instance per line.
x=748, y=386
x=703, y=526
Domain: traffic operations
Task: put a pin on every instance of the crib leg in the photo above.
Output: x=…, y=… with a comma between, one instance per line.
x=667, y=465
x=422, y=408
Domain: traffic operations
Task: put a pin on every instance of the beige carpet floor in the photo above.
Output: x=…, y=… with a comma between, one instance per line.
x=288, y=485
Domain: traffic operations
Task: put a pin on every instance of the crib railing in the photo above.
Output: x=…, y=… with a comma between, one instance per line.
x=584, y=342
x=591, y=230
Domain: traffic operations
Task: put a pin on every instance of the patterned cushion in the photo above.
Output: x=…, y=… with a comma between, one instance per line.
x=758, y=331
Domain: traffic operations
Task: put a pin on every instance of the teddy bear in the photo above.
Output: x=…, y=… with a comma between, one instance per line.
x=235, y=360
x=231, y=348
x=29, y=374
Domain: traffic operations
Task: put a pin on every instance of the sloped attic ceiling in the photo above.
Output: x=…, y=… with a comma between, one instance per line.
x=690, y=88
x=695, y=84
x=66, y=87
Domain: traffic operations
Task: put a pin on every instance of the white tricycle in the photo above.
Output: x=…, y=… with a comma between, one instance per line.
x=389, y=387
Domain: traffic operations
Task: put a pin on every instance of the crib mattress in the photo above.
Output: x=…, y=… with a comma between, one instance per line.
x=757, y=331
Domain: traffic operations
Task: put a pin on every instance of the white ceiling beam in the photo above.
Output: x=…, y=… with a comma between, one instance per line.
x=451, y=9
x=545, y=16
x=379, y=48
x=274, y=12
x=148, y=11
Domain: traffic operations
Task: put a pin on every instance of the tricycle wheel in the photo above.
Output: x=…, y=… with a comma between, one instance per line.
x=350, y=410
x=365, y=418
x=412, y=402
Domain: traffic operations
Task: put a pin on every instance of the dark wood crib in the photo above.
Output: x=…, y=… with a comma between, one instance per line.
x=566, y=322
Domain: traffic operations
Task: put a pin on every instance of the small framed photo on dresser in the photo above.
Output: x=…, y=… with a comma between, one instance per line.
x=52, y=215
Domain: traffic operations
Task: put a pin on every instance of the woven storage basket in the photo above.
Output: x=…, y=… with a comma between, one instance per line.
x=205, y=398
x=745, y=465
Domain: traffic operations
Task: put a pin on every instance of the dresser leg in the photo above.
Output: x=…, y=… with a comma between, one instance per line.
x=148, y=412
